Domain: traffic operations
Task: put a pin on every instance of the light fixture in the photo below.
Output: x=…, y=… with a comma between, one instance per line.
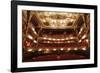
x=87, y=40
x=68, y=41
x=75, y=48
x=47, y=50
x=30, y=37
x=54, y=49
x=34, y=30
x=35, y=41
x=49, y=39
x=84, y=48
x=62, y=39
x=58, y=39
x=80, y=30
x=40, y=49
x=62, y=49
x=80, y=41
x=68, y=49
x=53, y=39
x=44, y=38
x=71, y=37
x=84, y=36
x=29, y=50
x=66, y=38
